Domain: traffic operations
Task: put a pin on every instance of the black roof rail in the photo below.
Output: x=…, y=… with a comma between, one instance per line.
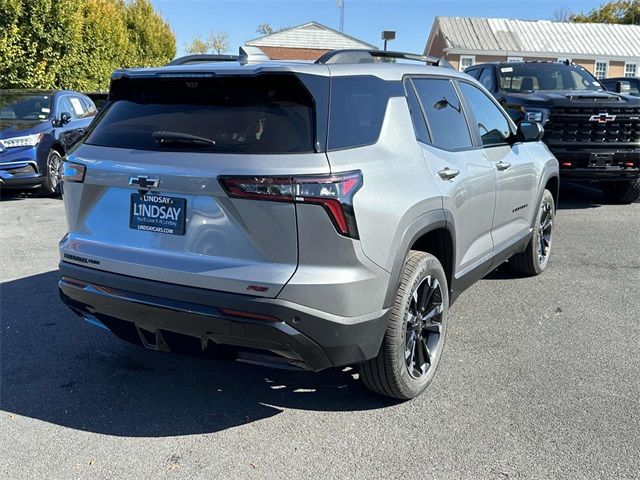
x=202, y=58
x=369, y=56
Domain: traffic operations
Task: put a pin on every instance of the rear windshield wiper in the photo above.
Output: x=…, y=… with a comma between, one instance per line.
x=163, y=138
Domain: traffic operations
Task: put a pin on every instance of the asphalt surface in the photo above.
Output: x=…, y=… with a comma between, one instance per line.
x=540, y=378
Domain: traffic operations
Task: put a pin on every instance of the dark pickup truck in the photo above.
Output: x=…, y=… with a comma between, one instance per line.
x=594, y=134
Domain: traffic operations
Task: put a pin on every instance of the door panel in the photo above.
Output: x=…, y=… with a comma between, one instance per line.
x=470, y=196
x=514, y=202
x=466, y=181
x=513, y=166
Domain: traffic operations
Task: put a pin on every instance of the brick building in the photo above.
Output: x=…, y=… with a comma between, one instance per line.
x=606, y=50
x=306, y=42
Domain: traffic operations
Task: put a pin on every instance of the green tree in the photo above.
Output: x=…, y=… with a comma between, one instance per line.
x=197, y=45
x=215, y=43
x=78, y=43
x=619, y=11
x=219, y=42
x=151, y=38
x=265, y=29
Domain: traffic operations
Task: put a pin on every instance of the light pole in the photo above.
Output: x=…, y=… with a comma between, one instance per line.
x=388, y=35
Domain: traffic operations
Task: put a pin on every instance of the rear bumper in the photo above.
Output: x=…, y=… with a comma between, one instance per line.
x=169, y=317
x=599, y=174
x=598, y=164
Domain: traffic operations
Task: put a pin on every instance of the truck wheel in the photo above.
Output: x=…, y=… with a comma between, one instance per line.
x=412, y=345
x=535, y=257
x=621, y=192
x=51, y=184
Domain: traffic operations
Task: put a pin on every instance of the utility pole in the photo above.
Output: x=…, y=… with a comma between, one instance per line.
x=341, y=7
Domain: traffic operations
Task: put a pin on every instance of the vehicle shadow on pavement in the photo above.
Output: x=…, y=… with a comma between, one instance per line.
x=56, y=368
x=575, y=196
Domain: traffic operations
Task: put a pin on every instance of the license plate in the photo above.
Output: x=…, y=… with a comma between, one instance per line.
x=157, y=213
x=600, y=159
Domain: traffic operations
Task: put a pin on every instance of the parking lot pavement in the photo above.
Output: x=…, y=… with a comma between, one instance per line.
x=539, y=379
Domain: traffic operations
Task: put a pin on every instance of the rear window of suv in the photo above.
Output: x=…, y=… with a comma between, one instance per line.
x=358, y=106
x=262, y=114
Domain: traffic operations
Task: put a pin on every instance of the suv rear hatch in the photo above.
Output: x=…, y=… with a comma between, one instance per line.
x=146, y=199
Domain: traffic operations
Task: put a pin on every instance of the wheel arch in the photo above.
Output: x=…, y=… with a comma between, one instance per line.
x=58, y=147
x=430, y=233
x=553, y=185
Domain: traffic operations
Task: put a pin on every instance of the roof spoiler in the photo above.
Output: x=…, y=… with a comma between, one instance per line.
x=249, y=54
x=370, y=56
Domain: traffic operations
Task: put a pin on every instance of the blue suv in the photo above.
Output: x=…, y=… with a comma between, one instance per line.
x=36, y=129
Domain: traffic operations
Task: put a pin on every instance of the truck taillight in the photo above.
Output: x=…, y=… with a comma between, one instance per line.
x=333, y=192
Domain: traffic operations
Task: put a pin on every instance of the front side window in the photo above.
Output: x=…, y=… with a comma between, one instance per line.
x=474, y=72
x=64, y=106
x=486, y=79
x=444, y=112
x=493, y=126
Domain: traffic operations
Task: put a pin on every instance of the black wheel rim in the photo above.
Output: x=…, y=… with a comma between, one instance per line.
x=423, y=327
x=55, y=162
x=545, y=232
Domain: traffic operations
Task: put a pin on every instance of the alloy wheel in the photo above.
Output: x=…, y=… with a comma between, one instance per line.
x=423, y=327
x=545, y=232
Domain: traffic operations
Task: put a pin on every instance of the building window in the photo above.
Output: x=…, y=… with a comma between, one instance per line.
x=602, y=69
x=630, y=69
x=515, y=59
x=466, y=61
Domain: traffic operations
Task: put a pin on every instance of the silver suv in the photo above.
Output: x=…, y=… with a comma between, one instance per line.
x=301, y=215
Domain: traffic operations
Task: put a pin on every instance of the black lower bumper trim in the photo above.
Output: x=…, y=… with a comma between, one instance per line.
x=157, y=315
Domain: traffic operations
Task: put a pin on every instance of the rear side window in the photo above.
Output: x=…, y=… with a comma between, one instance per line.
x=358, y=106
x=419, y=124
x=493, y=126
x=446, y=120
x=262, y=114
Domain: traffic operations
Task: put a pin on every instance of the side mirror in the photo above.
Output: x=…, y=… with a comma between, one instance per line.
x=623, y=87
x=65, y=117
x=530, y=132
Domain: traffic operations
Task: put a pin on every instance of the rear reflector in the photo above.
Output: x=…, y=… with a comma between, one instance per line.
x=629, y=164
x=73, y=172
x=566, y=164
x=249, y=315
x=333, y=192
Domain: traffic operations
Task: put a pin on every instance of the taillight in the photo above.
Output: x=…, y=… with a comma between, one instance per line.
x=333, y=192
x=73, y=172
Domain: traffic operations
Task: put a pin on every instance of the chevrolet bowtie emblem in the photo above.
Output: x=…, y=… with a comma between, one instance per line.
x=144, y=182
x=602, y=118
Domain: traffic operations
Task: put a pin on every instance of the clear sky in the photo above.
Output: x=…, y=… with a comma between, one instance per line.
x=364, y=19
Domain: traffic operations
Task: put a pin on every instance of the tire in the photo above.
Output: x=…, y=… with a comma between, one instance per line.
x=390, y=373
x=535, y=258
x=51, y=184
x=621, y=192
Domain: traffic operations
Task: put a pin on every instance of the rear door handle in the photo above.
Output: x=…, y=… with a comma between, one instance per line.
x=448, y=173
x=502, y=165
